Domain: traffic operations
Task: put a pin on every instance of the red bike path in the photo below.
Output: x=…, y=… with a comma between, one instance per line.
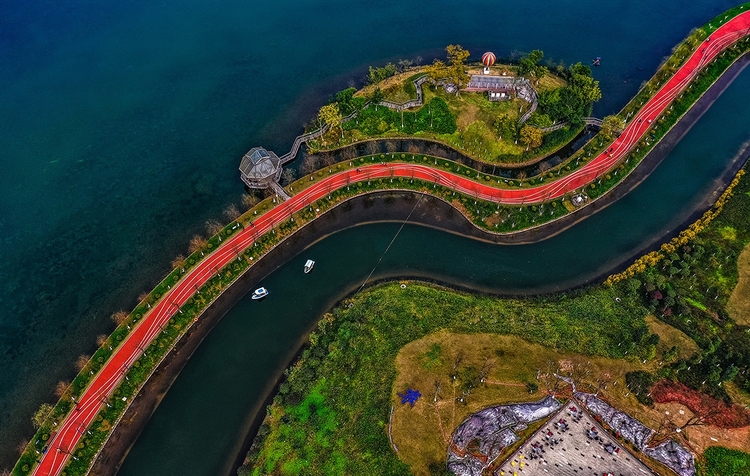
x=62, y=444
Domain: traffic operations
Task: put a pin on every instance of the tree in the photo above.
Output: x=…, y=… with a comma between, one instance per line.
x=531, y=136
x=198, y=242
x=612, y=126
x=573, y=102
x=507, y=128
x=529, y=65
x=101, y=339
x=287, y=176
x=178, y=262
x=41, y=415
x=20, y=448
x=437, y=70
x=231, y=212
x=404, y=64
x=119, y=317
x=457, y=71
x=583, y=85
x=376, y=75
x=345, y=101
x=331, y=116
x=377, y=97
x=249, y=200
x=308, y=165
x=61, y=389
x=213, y=227
x=456, y=363
x=82, y=361
x=456, y=55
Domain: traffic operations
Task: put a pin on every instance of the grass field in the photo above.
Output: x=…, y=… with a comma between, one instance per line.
x=724, y=462
x=738, y=306
x=422, y=433
x=670, y=337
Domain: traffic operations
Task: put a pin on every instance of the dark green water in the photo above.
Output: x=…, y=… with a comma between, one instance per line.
x=123, y=123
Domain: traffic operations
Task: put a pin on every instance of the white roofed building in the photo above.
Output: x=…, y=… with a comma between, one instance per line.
x=260, y=167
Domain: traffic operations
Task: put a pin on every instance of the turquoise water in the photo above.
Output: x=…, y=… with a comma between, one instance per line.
x=123, y=123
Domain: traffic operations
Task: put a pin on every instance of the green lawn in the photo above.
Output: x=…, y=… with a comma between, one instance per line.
x=721, y=461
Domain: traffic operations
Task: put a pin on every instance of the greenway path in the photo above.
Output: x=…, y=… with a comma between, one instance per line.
x=62, y=444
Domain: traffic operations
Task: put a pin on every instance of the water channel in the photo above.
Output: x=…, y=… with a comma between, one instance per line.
x=202, y=420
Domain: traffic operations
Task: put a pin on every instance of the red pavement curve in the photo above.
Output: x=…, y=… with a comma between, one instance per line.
x=71, y=429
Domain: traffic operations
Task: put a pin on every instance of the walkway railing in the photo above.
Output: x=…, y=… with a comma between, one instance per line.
x=389, y=104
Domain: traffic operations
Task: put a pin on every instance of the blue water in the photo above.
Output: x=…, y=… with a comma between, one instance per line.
x=123, y=122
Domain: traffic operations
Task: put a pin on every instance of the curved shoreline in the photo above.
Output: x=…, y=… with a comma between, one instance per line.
x=147, y=330
x=444, y=217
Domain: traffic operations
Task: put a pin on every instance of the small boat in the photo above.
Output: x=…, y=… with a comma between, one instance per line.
x=597, y=61
x=260, y=293
x=309, y=266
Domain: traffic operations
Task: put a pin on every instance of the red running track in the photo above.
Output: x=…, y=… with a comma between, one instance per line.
x=63, y=442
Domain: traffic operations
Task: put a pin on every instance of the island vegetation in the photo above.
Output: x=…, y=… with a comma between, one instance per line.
x=493, y=131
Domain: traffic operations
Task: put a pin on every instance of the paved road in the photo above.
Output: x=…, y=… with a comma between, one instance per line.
x=70, y=431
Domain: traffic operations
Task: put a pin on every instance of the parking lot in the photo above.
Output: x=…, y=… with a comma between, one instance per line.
x=572, y=443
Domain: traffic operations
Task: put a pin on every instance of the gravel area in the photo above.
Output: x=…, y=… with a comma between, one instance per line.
x=482, y=437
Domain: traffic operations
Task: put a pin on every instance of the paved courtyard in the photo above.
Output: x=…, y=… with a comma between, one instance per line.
x=572, y=443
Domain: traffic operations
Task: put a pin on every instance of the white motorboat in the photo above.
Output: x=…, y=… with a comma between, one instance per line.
x=260, y=293
x=309, y=266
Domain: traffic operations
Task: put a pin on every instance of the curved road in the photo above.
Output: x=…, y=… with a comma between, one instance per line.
x=63, y=442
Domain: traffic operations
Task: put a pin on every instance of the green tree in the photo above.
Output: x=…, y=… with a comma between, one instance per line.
x=612, y=126
x=377, y=97
x=506, y=128
x=376, y=75
x=583, y=85
x=531, y=136
x=345, y=101
x=573, y=102
x=529, y=65
x=639, y=382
